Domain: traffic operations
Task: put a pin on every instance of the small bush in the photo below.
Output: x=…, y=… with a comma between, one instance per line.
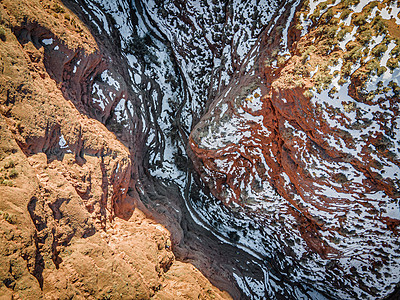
x=349, y=106
x=9, y=165
x=395, y=87
x=7, y=182
x=340, y=35
x=372, y=65
x=346, y=69
x=365, y=37
x=9, y=218
x=378, y=24
x=13, y=173
x=379, y=50
x=392, y=63
x=353, y=55
x=395, y=51
x=381, y=70
x=342, y=81
x=360, y=19
x=281, y=61
x=345, y=14
x=2, y=34
x=308, y=94
x=332, y=92
x=58, y=9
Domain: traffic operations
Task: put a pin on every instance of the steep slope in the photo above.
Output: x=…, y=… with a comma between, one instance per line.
x=306, y=141
x=175, y=70
x=65, y=178
x=288, y=110
x=183, y=58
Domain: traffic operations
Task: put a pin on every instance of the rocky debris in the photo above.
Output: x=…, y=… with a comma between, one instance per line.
x=65, y=179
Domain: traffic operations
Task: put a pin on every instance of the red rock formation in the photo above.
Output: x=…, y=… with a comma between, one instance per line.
x=268, y=146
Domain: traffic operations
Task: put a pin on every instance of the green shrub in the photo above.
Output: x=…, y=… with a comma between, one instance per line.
x=381, y=70
x=315, y=15
x=372, y=65
x=332, y=92
x=395, y=51
x=340, y=35
x=365, y=37
x=353, y=55
x=7, y=182
x=329, y=14
x=308, y=94
x=342, y=81
x=10, y=164
x=13, y=173
x=299, y=27
x=378, y=24
x=395, y=87
x=9, y=218
x=58, y=9
x=345, y=14
x=2, y=34
x=360, y=19
x=379, y=50
x=347, y=3
x=346, y=69
x=392, y=63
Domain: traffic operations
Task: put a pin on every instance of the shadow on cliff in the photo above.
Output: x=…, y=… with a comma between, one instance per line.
x=75, y=72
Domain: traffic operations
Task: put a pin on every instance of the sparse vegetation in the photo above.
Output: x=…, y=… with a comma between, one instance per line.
x=9, y=164
x=58, y=9
x=13, y=173
x=2, y=34
x=381, y=70
x=308, y=94
x=6, y=182
x=379, y=50
x=10, y=218
x=331, y=30
x=346, y=12
x=392, y=63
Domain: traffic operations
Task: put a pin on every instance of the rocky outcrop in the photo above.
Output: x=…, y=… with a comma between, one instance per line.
x=297, y=139
x=305, y=144
x=69, y=222
x=261, y=148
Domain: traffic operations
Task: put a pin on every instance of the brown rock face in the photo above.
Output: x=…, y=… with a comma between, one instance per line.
x=306, y=166
x=65, y=179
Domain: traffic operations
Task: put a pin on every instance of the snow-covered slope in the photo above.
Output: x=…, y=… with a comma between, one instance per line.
x=315, y=158
x=298, y=136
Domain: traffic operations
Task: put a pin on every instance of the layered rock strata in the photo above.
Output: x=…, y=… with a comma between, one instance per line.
x=305, y=140
x=65, y=179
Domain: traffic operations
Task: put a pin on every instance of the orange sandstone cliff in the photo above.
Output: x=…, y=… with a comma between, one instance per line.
x=69, y=222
